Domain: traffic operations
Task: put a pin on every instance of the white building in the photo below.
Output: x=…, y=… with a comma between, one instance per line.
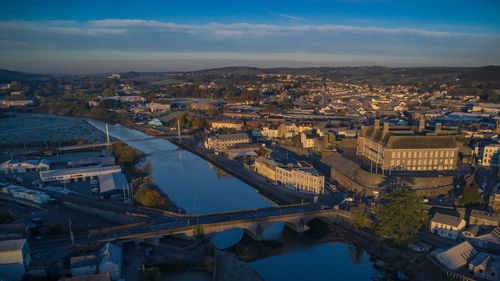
x=14, y=259
x=78, y=174
x=447, y=226
x=22, y=167
x=306, y=179
x=308, y=139
x=488, y=155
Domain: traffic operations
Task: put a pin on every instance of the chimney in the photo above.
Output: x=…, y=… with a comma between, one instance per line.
x=421, y=124
x=386, y=128
x=377, y=124
x=439, y=127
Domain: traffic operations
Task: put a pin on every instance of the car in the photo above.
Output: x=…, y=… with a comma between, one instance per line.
x=349, y=199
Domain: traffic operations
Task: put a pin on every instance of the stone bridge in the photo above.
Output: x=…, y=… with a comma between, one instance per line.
x=253, y=227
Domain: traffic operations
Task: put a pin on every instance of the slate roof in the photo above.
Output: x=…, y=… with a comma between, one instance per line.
x=457, y=256
x=446, y=219
x=411, y=141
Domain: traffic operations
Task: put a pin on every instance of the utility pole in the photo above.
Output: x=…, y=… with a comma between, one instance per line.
x=107, y=134
x=71, y=235
x=179, y=129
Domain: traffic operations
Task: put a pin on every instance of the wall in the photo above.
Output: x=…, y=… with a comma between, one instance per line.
x=120, y=218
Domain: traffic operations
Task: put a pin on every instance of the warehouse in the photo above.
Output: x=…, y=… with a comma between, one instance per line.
x=22, y=167
x=77, y=174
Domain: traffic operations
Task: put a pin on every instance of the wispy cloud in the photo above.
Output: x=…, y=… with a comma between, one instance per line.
x=134, y=38
x=287, y=16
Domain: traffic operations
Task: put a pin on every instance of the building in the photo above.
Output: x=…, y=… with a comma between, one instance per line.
x=266, y=167
x=308, y=139
x=494, y=203
x=227, y=124
x=155, y=122
x=270, y=131
x=83, y=265
x=27, y=194
x=478, y=217
x=14, y=259
x=23, y=167
x=158, y=107
x=221, y=143
x=93, y=161
x=485, y=266
x=403, y=149
x=111, y=185
x=77, y=174
x=457, y=256
x=110, y=261
x=287, y=130
x=488, y=154
x=9, y=103
x=447, y=226
x=306, y=179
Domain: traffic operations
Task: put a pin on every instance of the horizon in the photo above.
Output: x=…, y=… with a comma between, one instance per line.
x=96, y=37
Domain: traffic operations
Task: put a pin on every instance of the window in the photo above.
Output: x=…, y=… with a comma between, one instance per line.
x=399, y=154
x=393, y=154
x=447, y=154
x=426, y=154
x=420, y=154
x=404, y=154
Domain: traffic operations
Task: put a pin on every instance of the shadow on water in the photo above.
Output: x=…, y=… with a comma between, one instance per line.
x=285, y=257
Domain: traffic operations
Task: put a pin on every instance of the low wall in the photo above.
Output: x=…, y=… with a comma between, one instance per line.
x=121, y=218
x=350, y=176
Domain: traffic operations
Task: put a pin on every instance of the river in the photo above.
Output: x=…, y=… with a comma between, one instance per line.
x=198, y=188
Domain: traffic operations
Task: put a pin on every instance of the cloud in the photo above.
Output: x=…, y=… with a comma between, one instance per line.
x=125, y=39
x=237, y=29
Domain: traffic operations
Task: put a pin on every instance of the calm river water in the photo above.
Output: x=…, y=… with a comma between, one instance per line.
x=188, y=179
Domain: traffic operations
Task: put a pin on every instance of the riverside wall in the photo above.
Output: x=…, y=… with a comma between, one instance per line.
x=352, y=177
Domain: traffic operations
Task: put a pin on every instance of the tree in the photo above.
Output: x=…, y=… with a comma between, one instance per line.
x=199, y=123
x=471, y=195
x=146, y=167
x=358, y=215
x=401, y=215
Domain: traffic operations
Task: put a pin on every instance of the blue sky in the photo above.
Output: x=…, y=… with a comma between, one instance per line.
x=108, y=36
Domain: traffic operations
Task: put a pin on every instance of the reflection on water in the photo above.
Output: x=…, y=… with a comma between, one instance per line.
x=187, y=178
x=327, y=261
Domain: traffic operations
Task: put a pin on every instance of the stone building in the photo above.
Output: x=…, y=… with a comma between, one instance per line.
x=266, y=167
x=447, y=226
x=221, y=143
x=403, y=148
x=306, y=179
x=227, y=124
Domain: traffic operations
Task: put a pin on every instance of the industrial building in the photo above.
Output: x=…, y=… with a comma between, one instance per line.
x=23, y=167
x=94, y=161
x=14, y=259
x=77, y=174
x=26, y=194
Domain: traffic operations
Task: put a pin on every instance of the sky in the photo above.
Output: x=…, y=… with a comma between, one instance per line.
x=117, y=36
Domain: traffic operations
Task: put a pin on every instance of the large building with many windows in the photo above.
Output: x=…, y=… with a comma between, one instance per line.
x=404, y=149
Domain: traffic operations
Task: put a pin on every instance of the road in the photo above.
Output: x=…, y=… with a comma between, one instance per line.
x=170, y=222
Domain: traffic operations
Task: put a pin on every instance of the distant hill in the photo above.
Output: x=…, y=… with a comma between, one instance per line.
x=7, y=76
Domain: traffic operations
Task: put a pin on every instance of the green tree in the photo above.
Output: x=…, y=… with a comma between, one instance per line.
x=401, y=215
x=358, y=215
x=470, y=195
